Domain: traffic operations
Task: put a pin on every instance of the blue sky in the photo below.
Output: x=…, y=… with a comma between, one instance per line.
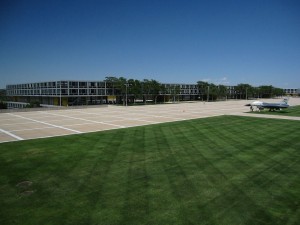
x=223, y=42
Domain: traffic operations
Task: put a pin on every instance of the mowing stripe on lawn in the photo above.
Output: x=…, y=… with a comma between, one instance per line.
x=219, y=170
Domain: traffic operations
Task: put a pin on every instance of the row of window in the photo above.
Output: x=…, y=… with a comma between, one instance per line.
x=12, y=105
x=95, y=88
x=58, y=84
x=72, y=84
x=182, y=86
x=77, y=91
x=186, y=91
x=292, y=91
x=57, y=92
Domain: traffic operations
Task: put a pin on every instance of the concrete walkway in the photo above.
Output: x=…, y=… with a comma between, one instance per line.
x=16, y=126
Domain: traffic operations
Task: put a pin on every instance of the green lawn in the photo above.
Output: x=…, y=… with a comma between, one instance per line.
x=291, y=111
x=219, y=170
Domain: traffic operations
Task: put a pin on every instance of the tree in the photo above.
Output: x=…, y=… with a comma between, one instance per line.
x=203, y=89
x=33, y=104
x=150, y=89
x=146, y=89
x=163, y=92
x=256, y=92
x=122, y=86
x=278, y=92
x=266, y=91
x=110, y=83
x=243, y=90
x=3, y=96
x=135, y=89
x=156, y=88
x=212, y=92
x=3, y=105
x=222, y=92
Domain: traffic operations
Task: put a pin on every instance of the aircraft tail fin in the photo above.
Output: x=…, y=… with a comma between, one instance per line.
x=285, y=100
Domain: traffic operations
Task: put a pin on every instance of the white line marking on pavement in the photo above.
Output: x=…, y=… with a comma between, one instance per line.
x=49, y=124
x=135, y=119
x=5, y=124
x=12, y=135
x=84, y=119
x=136, y=114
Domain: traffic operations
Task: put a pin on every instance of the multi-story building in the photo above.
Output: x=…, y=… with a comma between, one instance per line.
x=61, y=93
x=183, y=92
x=69, y=93
x=292, y=91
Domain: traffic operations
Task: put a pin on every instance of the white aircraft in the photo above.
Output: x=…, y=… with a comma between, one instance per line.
x=271, y=106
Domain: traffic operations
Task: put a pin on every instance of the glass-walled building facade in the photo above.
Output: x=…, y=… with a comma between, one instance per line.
x=292, y=91
x=62, y=93
x=70, y=93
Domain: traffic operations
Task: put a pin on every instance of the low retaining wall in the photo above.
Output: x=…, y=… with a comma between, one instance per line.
x=50, y=108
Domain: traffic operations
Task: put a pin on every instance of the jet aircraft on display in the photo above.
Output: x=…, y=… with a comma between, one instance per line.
x=271, y=106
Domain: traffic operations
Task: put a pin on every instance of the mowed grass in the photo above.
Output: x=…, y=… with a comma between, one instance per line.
x=291, y=111
x=219, y=170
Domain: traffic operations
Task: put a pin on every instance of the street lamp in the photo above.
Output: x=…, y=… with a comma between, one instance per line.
x=126, y=85
x=207, y=93
x=60, y=95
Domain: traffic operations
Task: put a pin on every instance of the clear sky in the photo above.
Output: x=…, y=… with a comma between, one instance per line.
x=219, y=41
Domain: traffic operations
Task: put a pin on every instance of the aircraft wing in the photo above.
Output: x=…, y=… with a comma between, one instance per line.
x=274, y=105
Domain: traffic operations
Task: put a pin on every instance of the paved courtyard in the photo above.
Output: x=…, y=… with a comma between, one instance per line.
x=16, y=126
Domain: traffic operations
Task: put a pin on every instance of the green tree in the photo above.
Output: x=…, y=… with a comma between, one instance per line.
x=146, y=90
x=156, y=89
x=163, y=92
x=122, y=90
x=266, y=91
x=203, y=89
x=3, y=105
x=222, y=92
x=212, y=92
x=135, y=89
x=278, y=92
x=243, y=91
x=151, y=90
x=111, y=83
x=3, y=96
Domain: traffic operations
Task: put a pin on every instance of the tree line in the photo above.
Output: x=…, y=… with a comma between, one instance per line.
x=146, y=91
x=152, y=90
x=241, y=91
